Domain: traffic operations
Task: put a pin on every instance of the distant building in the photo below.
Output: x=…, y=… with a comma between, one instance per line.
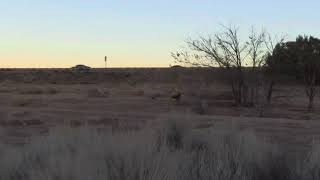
x=81, y=68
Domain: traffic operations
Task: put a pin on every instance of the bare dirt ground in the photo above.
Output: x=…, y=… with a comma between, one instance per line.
x=33, y=101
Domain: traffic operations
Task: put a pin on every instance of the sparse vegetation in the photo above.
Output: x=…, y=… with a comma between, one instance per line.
x=97, y=93
x=52, y=91
x=138, y=93
x=32, y=91
x=195, y=149
x=241, y=60
x=171, y=152
x=237, y=103
x=253, y=66
x=22, y=102
x=200, y=107
x=37, y=91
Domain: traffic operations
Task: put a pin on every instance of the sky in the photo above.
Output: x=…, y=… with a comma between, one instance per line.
x=133, y=33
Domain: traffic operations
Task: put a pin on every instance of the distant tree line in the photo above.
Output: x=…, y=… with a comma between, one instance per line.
x=254, y=65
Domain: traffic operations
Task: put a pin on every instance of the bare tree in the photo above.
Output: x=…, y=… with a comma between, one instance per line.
x=256, y=52
x=272, y=45
x=227, y=51
x=311, y=73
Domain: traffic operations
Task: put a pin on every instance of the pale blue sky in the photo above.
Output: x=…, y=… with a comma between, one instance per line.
x=61, y=33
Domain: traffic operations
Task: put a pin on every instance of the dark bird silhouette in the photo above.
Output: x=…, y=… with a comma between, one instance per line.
x=176, y=96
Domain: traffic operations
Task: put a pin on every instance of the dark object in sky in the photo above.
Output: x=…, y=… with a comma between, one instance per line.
x=81, y=68
x=176, y=96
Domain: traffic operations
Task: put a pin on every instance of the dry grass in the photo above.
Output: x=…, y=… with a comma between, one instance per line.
x=22, y=102
x=200, y=107
x=98, y=93
x=138, y=93
x=32, y=91
x=171, y=151
x=38, y=91
x=52, y=91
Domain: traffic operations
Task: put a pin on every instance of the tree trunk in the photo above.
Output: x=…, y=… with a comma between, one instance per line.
x=311, y=104
x=270, y=91
x=310, y=77
x=235, y=94
x=311, y=91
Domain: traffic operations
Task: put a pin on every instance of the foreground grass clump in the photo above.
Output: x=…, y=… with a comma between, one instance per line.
x=172, y=151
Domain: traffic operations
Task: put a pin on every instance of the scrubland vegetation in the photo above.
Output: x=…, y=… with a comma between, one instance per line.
x=169, y=151
x=254, y=65
x=102, y=124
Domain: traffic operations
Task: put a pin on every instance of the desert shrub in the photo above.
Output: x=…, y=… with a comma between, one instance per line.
x=185, y=153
